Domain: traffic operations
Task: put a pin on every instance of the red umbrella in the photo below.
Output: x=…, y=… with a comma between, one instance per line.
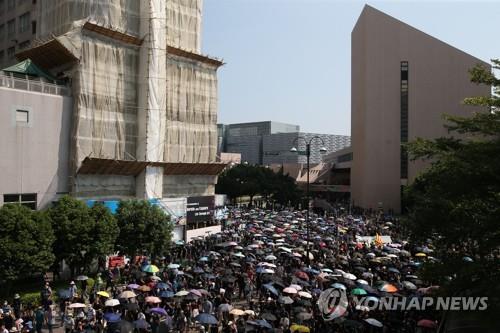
x=302, y=275
x=427, y=323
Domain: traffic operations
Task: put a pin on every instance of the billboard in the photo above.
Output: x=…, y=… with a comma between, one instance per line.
x=200, y=209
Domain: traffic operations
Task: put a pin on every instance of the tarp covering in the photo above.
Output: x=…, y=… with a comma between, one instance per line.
x=27, y=67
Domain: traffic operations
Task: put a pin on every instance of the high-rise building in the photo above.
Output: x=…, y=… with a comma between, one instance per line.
x=402, y=82
x=144, y=99
x=18, y=27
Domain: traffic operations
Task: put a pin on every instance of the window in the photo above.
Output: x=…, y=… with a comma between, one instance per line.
x=26, y=199
x=11, y=4
x=404, y=118
x=33, y=27
x=24, y=44
x=24, y=22
x=11, y=51
x=2, y=32
x=11, y=28
x=22, y=116
x=2, y=6
x=2, y=54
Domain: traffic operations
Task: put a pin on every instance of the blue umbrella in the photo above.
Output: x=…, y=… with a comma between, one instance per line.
x=162, y=286
x=112, y=317
x=263, y=323
x=206, y=319
x=312, y=271
x=204, y=259
x=166, y=294
x=271, y=288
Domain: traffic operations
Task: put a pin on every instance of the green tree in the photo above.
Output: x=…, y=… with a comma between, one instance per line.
x=26, y=240
x=144, y=228
x=456, y=201
x=105, y=231
x=73, y=227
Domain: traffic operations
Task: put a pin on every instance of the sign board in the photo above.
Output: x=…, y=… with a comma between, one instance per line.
x=114, y=261
x=200, y=209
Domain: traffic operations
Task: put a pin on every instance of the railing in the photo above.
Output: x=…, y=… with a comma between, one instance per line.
x=35, y=85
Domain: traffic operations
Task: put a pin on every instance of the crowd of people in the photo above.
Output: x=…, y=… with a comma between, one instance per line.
x=259, y=274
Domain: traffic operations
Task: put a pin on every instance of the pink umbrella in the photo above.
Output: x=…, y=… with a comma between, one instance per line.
x=153, y=299
x=195, y=292
x=427, y=323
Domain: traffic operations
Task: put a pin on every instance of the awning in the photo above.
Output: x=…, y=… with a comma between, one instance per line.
x=48, y=55
x=100, y=166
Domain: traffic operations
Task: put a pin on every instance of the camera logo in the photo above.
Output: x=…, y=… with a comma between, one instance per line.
x=332, y=303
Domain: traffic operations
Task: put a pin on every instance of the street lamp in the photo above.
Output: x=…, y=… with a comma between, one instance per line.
x=307, y=152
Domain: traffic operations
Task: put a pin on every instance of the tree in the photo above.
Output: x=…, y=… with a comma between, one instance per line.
x=456, y=201
x=105, y=231
x=144, y=228
x=26, y=240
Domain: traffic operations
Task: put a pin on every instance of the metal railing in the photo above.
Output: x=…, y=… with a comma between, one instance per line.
x=36, y=85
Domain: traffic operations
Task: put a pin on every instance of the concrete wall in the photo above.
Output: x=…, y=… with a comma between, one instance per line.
x=34, y=157
x=438, y=82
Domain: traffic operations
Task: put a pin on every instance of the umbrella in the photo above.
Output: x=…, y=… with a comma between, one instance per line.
x=237, y=312
x=296, y=286
x=153, y=299
x=196, y=292
x=203, y=259
x=81, y=278
x=290, y=290
x=338, y=286
x=144, y=288
x=112, y=317
x=420, y=254
x=269, y=316
x=374, y=322
x=285, y=300
x=349, y=276
x=261, y=323
x=182, y=293
x=426, y=323
x=250, y=312
x=173, y=266
x=103, y=294
x=151, y=269
x=304, y=316
x=206, y=319
x=299, y=329
x=271, y=288
x=302, y=275
x=77, y=306
x=166, y=294
x=409, y=285
x=133, y=286
x=225, y=307
x=162, y=286
x=359, y=281
x=358, y=291
x=270, y=257
x=393, y=270
x=127, y=294
x=112, y=302
x=305, y=294
x=160, y=311
x=389, y=288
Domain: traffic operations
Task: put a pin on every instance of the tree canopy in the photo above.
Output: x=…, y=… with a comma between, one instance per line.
x=456, y=201
x=26, y=240
x=144, y=228
x=248, y=180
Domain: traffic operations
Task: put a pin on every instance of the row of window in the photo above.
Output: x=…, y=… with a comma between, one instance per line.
x=26, y=199
x=9, y=31
x=11, y=51
x=404, y=118
x=11, y=4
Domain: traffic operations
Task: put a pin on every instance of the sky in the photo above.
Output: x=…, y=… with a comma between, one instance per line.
x=289, y=60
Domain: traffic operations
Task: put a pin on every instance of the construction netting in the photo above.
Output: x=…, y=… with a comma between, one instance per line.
x=60, y=16
x=183, y=18
x=191, y=133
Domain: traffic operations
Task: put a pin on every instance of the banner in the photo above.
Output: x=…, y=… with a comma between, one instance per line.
x=200, y=209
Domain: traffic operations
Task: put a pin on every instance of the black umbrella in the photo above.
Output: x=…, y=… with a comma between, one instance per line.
x=269, y=316
x=303, y=316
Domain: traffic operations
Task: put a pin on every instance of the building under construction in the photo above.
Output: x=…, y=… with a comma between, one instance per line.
x=143, y=97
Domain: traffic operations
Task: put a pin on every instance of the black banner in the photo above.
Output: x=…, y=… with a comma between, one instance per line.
x=200, y=209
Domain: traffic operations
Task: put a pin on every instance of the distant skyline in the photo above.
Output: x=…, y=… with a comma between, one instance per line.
x=289, y=60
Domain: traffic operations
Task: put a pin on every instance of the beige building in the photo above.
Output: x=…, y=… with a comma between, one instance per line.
x=18, y=25
x=403, y=81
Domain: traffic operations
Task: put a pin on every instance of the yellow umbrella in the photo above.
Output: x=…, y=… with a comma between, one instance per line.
x=420, y=254
x=237, y=312
x=299, y=328
x=103, y=294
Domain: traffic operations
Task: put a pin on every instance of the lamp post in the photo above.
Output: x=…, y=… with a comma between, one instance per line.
x=307, y=152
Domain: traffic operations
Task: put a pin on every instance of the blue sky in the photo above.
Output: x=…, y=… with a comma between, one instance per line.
x=289, y=60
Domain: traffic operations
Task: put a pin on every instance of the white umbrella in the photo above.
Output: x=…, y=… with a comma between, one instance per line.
x=362, y=281
x=290, y=290
x=296, y=287
x=374, y=322
x=182, y=293
x=349, y=276
x=270, y=257
x=112, y=302
x=173, y=266
x=305, y=294
x=77, y=306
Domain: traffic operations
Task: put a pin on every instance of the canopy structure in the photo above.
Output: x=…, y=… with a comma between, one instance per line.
x=28, y=67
